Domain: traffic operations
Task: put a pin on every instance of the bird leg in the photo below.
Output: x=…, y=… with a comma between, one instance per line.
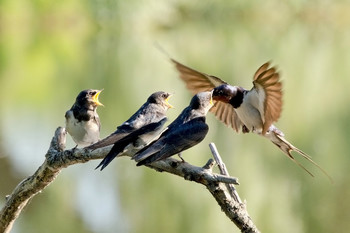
x=179, y=154
x=245, y=129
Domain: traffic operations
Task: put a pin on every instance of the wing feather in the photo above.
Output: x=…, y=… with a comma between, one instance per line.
x=197, y=81
x=174, y=141
x=267, y=80
x=111, y=139
x=226, y=114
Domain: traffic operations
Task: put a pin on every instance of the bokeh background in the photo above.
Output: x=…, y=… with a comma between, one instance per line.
x=51, y=50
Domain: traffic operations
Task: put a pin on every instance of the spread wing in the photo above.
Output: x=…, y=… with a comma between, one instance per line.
x=197, y=82
x=227, y=114
x=174, y=141
x=267, y=84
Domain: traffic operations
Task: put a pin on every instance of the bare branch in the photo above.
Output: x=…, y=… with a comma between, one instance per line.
x=57, y=158
x=240, y=215
x=224, y=171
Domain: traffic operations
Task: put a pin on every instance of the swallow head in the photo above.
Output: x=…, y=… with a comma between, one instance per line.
x=224, y=93
x=202, y=101
x=89, y=98
x=161, y=98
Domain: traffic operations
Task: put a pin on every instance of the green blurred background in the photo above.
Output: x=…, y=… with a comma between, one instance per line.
x=51, y=50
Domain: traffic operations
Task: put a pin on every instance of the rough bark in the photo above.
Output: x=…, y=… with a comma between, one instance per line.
x=57, y=158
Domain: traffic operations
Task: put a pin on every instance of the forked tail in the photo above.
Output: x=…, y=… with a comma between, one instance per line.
x=277, y=137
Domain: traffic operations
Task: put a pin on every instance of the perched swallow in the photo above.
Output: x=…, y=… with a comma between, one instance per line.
x=186, y=131
x=138, y=130
x=82, y=121
x=250, y=110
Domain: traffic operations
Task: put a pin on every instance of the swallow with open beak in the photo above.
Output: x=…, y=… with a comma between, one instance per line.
x=186, y=131
x=82, y=120
x=247, y=110
x=138, y=130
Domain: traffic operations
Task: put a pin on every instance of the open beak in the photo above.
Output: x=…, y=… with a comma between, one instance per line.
x=95, y=98
x=167, y=103
x=211, y=99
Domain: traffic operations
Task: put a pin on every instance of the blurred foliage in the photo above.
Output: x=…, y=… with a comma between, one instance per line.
x=50, y=50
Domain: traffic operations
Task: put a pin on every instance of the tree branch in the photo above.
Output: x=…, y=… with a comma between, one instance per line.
x=57, y=158
x=240, y=216
x=224, y=171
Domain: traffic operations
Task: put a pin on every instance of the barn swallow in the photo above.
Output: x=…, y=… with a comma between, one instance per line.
x=186, y=131
x=138, y=130
x=250, y=110
x=82, y=121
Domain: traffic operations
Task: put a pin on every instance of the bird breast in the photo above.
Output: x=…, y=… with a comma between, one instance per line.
x=84, y=133
x=248, y=112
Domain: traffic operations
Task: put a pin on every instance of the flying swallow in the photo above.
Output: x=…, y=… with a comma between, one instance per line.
x=82, y=121
x=138, y=130
x=186, y=131
x=247, y=110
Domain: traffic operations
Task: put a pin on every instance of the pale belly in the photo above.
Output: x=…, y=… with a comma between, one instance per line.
x=84, y=133
x=249, y=116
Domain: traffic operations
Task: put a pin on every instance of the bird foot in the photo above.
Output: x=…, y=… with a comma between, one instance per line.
x=245, y=129
x=182, y=159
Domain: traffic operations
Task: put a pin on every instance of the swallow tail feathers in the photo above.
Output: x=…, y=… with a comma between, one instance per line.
x=277, y=137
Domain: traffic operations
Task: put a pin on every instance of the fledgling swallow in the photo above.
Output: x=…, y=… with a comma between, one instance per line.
x=186, y=131
x=247, y=110
x=138, y=130
x=82, y=120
